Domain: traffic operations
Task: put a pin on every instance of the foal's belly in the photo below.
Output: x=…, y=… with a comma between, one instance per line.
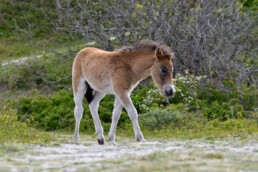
x=105, y=89
x=101, y=83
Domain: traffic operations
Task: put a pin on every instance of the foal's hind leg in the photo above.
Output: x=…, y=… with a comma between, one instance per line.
x=78, y=110
x=115, y=117
x=94, y=113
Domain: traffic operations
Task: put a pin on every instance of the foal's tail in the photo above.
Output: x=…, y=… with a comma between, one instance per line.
x=89, y=95
x=80, y=85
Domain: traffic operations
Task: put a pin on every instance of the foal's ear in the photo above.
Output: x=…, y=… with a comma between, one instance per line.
x=159, y=53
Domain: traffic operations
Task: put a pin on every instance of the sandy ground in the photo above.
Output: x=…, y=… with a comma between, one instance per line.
x=19, y=61
x=187, y=155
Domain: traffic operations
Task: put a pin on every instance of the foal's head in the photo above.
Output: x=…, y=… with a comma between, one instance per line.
x=162, y=71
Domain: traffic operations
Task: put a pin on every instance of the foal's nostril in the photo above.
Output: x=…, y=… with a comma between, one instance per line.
x=168, y=91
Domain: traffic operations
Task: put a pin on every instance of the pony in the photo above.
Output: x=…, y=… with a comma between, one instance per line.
x=96, y=73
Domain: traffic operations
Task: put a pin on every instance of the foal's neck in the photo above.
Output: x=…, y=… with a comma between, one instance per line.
x=142, y=63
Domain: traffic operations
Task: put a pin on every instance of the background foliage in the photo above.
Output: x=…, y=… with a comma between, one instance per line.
x=216, y=63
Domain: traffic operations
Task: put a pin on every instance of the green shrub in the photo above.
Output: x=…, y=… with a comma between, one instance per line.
x=187, y=87
x=19, y=13
x=160, y=118
x=147, y=98
x=242, y=94
x=46, y=112
x=56, y=112
x=165, y=123
x=12, y=130
x=36, y=73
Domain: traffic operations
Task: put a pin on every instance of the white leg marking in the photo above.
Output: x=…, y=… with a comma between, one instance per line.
x=115, y=117
x=78, y=110
x=94, y=113
x=133, y=116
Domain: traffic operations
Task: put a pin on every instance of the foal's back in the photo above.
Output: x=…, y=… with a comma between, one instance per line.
x=94, y=66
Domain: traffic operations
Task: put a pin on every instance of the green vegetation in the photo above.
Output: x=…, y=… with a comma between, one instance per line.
x=11, y=50
x=12, y=130
x=192, y=113
x=200, y=128
x=45, y=100
x=196, y=111
x=192, y=128
x=20, y=13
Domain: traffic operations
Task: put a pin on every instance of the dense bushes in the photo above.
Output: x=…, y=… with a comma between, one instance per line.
x=11, y=129
x=213, y=39
x=188, y=125
x=37, y=73
x=15, y=12
x=55, y=112
x=49, y=112
x=194, y=111
x=158, y=119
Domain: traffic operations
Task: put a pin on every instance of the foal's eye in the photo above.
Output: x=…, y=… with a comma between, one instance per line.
x=164, y=69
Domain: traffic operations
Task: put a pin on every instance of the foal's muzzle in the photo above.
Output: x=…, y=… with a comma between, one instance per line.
x=169, y=90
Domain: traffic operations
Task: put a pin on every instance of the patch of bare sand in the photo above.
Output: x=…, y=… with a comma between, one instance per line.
x=94, y=157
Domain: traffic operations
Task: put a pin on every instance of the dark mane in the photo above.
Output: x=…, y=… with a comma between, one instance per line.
x=147, y=45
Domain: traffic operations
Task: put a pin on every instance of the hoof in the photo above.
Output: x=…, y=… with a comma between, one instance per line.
x=101, y=141
x=140, y=140
x=112, y=142
x=75, y=140
x=143, y=140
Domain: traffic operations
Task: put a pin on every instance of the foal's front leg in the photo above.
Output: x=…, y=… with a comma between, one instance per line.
x=94, y=113
x=115, y=117
x=126, y=101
